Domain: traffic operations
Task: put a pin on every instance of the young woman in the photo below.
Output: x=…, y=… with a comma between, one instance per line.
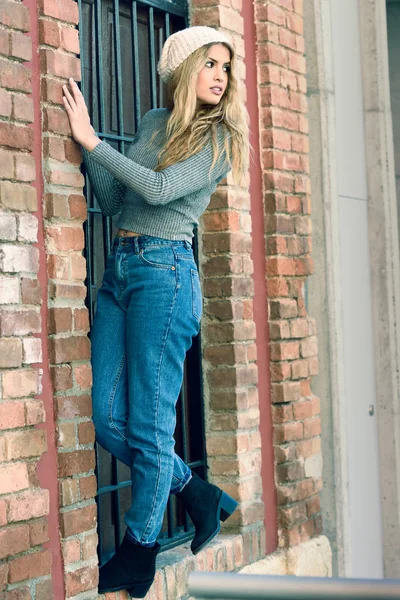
x=150, y=305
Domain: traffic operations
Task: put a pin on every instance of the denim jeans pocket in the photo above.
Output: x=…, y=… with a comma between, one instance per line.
x=162, y=257
x=197, y=301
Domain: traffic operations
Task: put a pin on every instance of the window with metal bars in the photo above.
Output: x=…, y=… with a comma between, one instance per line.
x=121, y=42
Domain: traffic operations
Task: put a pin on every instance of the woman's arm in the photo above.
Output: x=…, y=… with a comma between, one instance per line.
x=174, y=182
x=109, y=192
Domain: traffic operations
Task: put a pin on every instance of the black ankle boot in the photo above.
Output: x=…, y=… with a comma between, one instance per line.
x=132, y=568
x=207, y=505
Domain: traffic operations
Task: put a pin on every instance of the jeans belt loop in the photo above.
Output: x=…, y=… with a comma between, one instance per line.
x=136, y=244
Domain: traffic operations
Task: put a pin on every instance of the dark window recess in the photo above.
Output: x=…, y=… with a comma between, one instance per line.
x=120, y=48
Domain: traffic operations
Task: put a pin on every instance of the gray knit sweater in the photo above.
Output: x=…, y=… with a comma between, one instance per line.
x=165, y=204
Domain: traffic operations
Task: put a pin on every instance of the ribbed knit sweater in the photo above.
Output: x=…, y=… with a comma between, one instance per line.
x=165, y=204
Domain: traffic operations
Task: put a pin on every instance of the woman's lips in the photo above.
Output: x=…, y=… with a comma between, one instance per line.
x=216, y=91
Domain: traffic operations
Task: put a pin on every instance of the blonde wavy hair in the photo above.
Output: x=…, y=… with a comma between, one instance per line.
x=189, y=128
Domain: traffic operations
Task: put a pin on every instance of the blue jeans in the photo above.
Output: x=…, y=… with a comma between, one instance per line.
x=148, y=310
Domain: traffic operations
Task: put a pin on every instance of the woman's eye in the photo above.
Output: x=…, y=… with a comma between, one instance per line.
x=227, y=68
x=209, y=62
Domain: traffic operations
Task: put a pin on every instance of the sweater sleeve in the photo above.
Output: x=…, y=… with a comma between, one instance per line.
x=109, y=191
x=161, y=187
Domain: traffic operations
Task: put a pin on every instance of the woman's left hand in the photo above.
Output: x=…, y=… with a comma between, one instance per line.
x=78, y=115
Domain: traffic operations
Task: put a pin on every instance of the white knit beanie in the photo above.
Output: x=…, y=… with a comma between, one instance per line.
x=181, y=44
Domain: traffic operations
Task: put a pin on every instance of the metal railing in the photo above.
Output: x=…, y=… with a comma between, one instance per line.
x=231, y=586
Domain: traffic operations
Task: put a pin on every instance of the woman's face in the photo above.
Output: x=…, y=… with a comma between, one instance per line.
x=213, y=77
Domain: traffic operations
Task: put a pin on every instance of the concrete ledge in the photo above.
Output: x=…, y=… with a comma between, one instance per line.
x=310, y=559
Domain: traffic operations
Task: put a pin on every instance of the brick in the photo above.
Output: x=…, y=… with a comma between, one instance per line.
x=23, y=109
x=53, y=147
x=13, y=478
x=65, y=238
x=32, y=350
x=78, y=520
x=71, y=550
x=64, y=291
x=63, y=10
x=78, y=267
x=86, y=433
x=9, y=290
x=81, y=319
x=15, y=15
x=89, y=546
x=65, y=177
x=31, y=291
x=68, y=407
x=15, y=76
x=16, y=136
x=5, y=104
x=69, y=492
x=81, y=580
x=8, y=227
x=28, y=505
x=87, y=487
x=27, y=228
x=69, y=349
x=38, y=532
x=291, y=471
x=56, y=121
x=30, y=566
x=20, y=45
x=14, y=540
x=12, y=415
x=58, y=267
x=77, y=206
x=56, y=205
x=66, y=435
x=287, y=391
x=59, y=320
x=25, y=167
x=10, y=355
x=21, y=383
x=51, y=91
x=288, y=432
x=4, y=42
x=34, y=412
x=49, y=33
x=61, y=377
x=70, y=39
x=6, y=160
x=17, y=196
x=24, y=444
x=60, y=65
x=44, y=590
x=72, y=463
x=19, y=322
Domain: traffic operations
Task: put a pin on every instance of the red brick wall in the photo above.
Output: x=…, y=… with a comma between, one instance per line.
x=26, y=420
x=68, y=324
x=230, y=352
x=284, y=147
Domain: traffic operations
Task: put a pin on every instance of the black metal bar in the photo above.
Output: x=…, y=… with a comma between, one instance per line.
x=170, y=518
x=152, y=59
x=118, y=74
x=111, y=488
x=99, y=66
x=166, y=5
x=273, y=587
x=136, y=68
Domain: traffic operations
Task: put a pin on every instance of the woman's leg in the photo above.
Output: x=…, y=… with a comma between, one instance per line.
x=110, y=369
x=159, y=331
